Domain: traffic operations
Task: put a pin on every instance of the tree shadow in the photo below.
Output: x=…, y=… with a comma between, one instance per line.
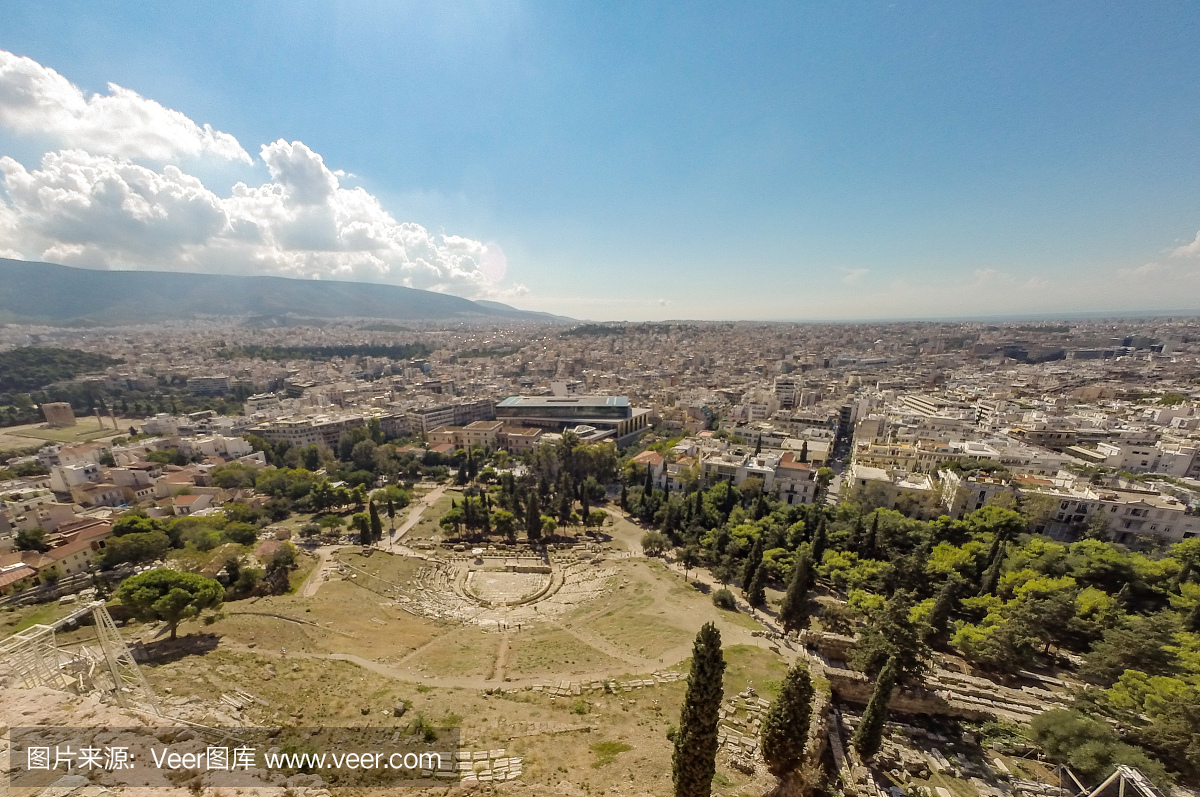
x=166, y=651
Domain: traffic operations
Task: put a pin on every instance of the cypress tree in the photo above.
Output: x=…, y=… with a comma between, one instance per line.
x=804, y=451
x=391, y=510
x=376, y=524
x=756, y=594
x=648, y=486
x=793, y=612
x=820, y=540
x=991, y=579
x=564, y=508
x=869, y=735
x=868, y=549
x=533, y=517
x=784, y=734
x=624, y=499
x=752, y=562
x=994, y=551
x=1185, y=573
x=1192, y=621
x=856, y=535
x=721, y=541
x=939, y=614
x=694, y=761
x=1123, y=596
x=760, y=508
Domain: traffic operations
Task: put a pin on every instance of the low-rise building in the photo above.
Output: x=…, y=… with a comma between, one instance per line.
x=962, y=494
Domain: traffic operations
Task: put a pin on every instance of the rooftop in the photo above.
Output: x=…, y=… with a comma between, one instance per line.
x=559, y=401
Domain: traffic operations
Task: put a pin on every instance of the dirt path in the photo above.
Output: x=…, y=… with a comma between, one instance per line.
x=501, y=666
x=629, y=536
x=317, y=577
x=414, y=517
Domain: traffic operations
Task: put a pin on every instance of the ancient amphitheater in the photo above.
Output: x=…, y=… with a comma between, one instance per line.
x=500, y=591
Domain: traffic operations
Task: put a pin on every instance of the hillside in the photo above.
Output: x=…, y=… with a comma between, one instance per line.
x=52, y=294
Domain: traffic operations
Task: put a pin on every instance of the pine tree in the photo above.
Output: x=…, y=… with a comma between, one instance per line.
x=376, y=524
x=793, y=612
x=756, y=593
x=869, y=735
x=820, y=540
x=694, y=761
x=784, y=734
x=752, y=562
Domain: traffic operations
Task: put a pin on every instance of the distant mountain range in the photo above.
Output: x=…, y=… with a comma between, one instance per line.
x=46, y=293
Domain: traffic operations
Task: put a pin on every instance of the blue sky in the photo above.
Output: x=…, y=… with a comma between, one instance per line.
x=757, y=160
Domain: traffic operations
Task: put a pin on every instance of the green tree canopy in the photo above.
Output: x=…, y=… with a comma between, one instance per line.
x=169, y=596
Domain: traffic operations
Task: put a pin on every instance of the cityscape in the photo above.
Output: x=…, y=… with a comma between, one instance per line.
x=300, y=500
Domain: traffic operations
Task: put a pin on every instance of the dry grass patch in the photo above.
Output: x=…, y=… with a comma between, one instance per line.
x=463, y=652
x=550, y=651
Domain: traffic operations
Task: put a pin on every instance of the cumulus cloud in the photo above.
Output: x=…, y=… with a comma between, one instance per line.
x=39, y=103
x=113, y=199
x=93, y=210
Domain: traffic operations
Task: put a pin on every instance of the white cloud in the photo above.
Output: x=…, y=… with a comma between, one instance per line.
x=114, y=197
x=1144, y=270
x=1188, y=250
x=39, y=103
x=855, y=276
x=99, y=211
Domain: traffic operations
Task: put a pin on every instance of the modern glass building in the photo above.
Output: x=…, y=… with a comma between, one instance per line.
x=564, y=412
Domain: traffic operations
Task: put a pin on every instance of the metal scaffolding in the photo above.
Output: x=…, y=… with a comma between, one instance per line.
x=35, y=658
x=1125, y=776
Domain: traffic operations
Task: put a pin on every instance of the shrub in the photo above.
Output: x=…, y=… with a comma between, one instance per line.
x=723, y=599
x=654, y=543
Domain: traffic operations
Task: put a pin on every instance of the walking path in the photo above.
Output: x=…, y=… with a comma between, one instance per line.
x=625, y=533
x=319, y=573
x=414, y=517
